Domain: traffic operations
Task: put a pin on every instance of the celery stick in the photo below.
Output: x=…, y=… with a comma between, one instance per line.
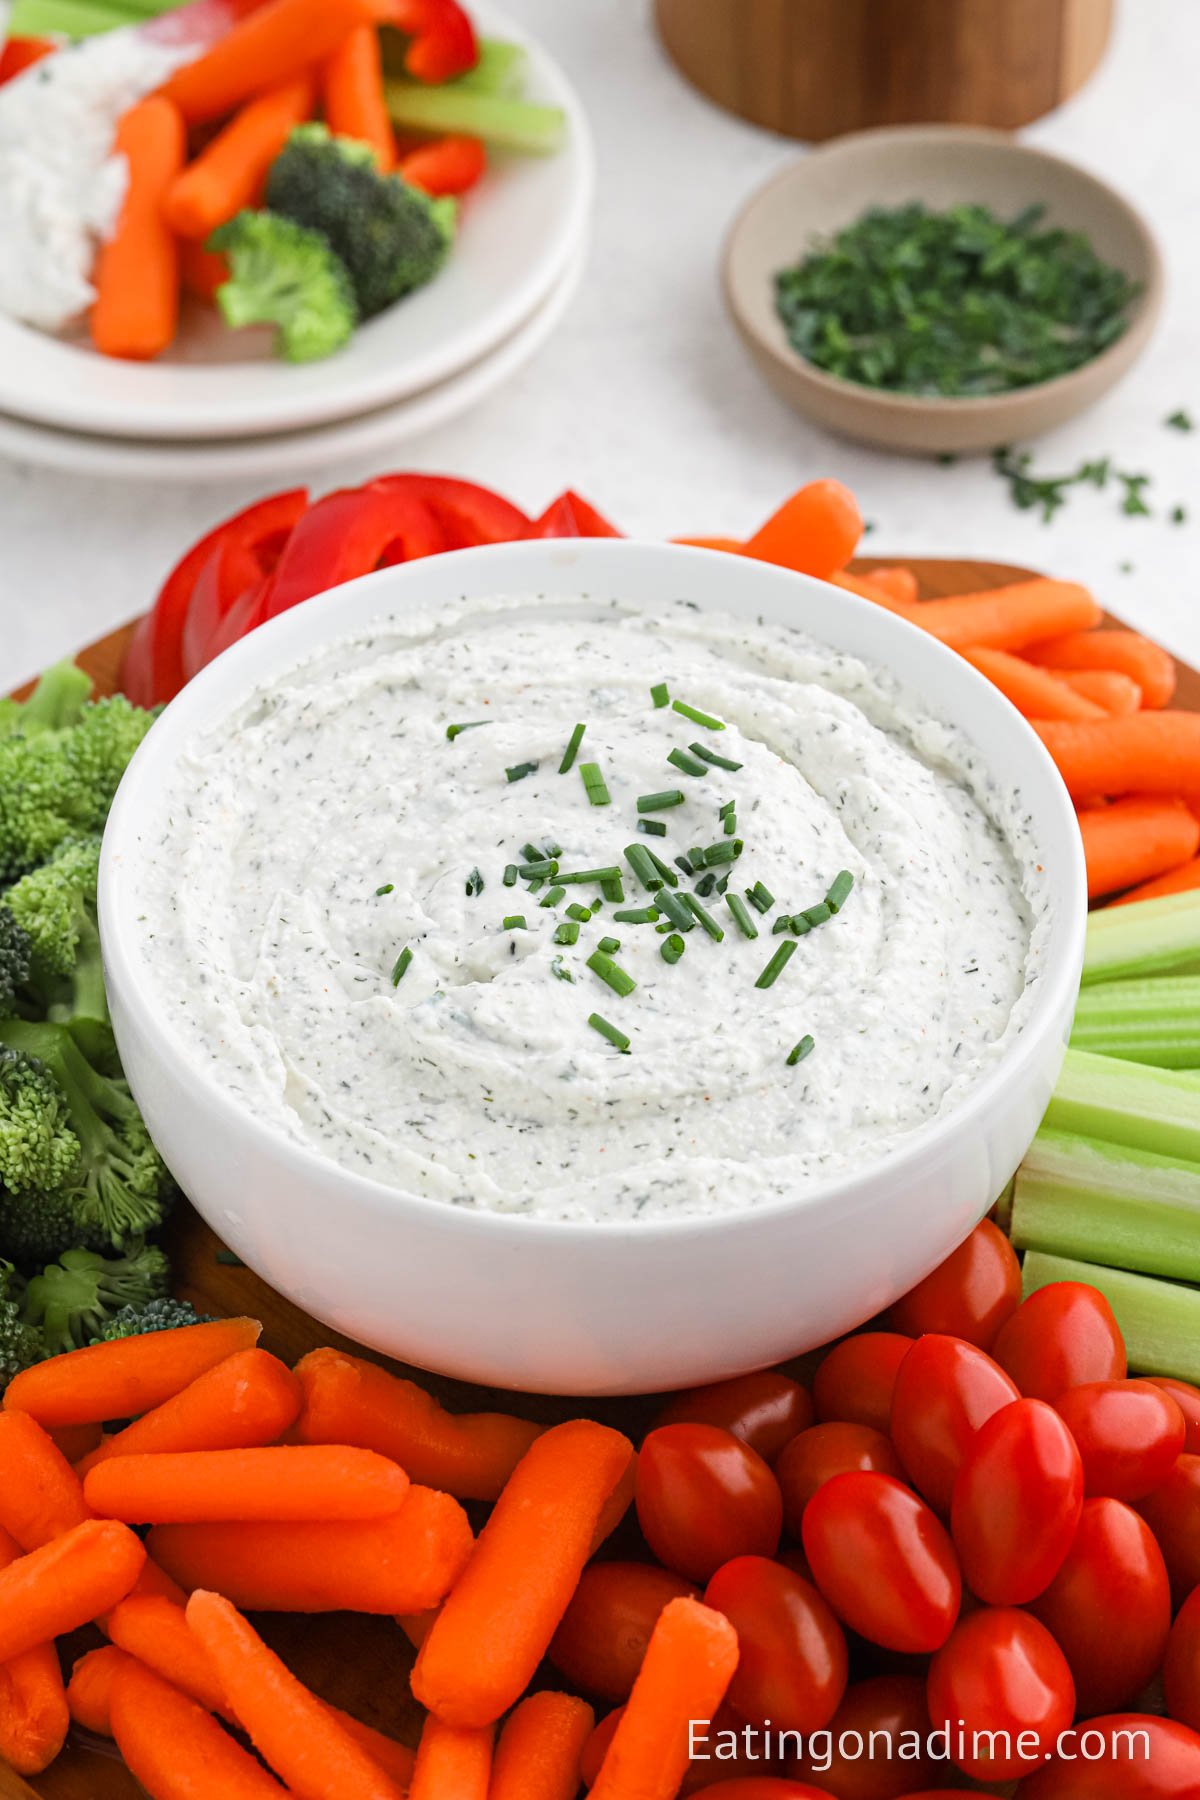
x=77, y=18
x=1127, y=1103
x=1151, y=937
x=508, y=124
x=1077, y=1196
x=1154, y=1021
x=500, y=70
x=1160, y=1320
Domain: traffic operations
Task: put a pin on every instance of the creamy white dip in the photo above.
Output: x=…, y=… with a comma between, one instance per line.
x=61, y=186
x=331, y=824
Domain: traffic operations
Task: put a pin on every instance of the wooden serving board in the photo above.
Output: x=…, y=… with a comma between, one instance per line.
x=361, y=1663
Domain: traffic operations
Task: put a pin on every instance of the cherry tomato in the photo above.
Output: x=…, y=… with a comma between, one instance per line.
x=1170, y=1771
x=1187, y=1399
x=945, y=1391
x=1129, y=1433
x=704, y=1497
x=883, y=1561
x=970, y=1295
x=1172, y=1512
x=602, y=1638
x=1181, y=1667
x=791, y=1669
x=1109, y=1607
x=824, y=1451
x=764, y=1410
x=1016, y=1504
x=891, y=1706
x=710, y=1772
x=854, y=1382
x=1061, y=1337
x=1000, y=1672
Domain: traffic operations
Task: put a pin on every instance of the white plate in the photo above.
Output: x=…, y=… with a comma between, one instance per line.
x=292, y=453
x=517, y=232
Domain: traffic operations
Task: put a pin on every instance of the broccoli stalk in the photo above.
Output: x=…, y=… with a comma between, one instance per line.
x=55, y=906
x=20, y=1344
x=55, y=703
x=72, y=1301
x=286, y=276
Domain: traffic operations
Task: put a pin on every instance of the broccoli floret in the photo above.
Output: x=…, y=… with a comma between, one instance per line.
x=159, y=1315
x=14, y=958
x=20, y=1344
x=118, y=1187
x=286, y=276
x=72, y=1300
x=56, y=702
x=391, y=236
x=55, y=906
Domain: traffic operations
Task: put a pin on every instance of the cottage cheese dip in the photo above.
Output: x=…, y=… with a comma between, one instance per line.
x=328, y=926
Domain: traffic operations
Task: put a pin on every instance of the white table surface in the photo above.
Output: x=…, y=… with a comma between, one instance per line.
x=645, y=402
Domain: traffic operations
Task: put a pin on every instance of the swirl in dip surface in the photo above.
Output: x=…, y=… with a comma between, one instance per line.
x=331, y=823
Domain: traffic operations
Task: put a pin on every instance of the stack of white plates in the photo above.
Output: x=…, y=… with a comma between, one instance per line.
x=219, y=406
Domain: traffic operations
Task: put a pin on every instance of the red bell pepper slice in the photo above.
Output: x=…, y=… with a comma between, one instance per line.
x=450, y=165
x=243, y=617
x=443, y=38
x=570, y=516
x=347, y=534
x=20, y=53
x=467, y=513
x=137, y=670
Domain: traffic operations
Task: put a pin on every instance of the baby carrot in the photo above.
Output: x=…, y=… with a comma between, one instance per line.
x=33, y=1706
x=729, y=546
x=1111, y=691
x=127, y=1376
x=1147, y=753
x=276, y=43
x=40, y=1494
x=352, y=91
x=1033, y=691
x=321, y=1482
x=899, y=584
x=156, y=1631
x=815, y=531
x=493, y=1630
x=1009, y=618
x=452, y=1760
x=537, y=1757
x=1147, y=663
x=77, y=1441
x=417, y=1626
x=89, y=1691
x=291, y=1729
x=243, y=1403
x=869, y=589
x=394, y=1758
x=202, y=272
x=349, y=1401
x=177, y=1750
x=137, y=273
x=689, y=1663
x=404, y=1563
x=1135, y=840
x=1179, y=881
x=66, y=1583
x=229, y=172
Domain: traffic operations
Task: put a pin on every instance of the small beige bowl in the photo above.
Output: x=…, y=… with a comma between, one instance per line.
x=942, y=165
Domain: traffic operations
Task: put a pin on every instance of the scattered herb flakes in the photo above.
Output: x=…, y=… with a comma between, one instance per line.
x=1047, y=493
x=474, y=883
x=1180, y=421
x=1179, y=515
x=389, y=887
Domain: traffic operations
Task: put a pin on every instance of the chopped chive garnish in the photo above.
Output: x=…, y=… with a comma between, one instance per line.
x=782, y=924
x=612, y=974
x=660, y=801
x=452, y=731
x=613, y=889
x=510, y=874
x=594, y=784
x=730, y=823
x=535, y=882
x=552, y=896
x=800, y=924
x=635, y=915
x=724, y=811
x=572, y=749
x=616, y=1038
x=817, y=915
x=514, y=922
x=681, y=862
x=582, y=913
x=839, y=888
x=665, y=870
x=659, y=694
x=706, y=884
x=519, y=771
x=691, y=765
x=552, y=850
x=559, y=969
x=567, y=932
x=777, y=964
x=533, y=853
x=609, y=873
x=697, y=717
x=675, y=910
x=643, y=866
x=609, y=945
x=389, y=887
x=673, y=948
x=710, y=756
x=745, y=923
x=760, y=897
x=725, y=850
x=722, y=884
x=474, y=883
x=703, y=918
x=799, y=1051
x=652, y=827
x=400, y=966
x=530, y=871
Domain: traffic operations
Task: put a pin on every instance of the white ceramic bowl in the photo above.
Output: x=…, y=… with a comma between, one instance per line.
x=590, y=1308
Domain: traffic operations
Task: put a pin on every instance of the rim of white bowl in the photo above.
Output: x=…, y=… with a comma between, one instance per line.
x=284, y=641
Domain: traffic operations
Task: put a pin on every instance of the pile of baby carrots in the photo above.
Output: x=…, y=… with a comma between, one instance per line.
x=1095, y=695
x=199, y=150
